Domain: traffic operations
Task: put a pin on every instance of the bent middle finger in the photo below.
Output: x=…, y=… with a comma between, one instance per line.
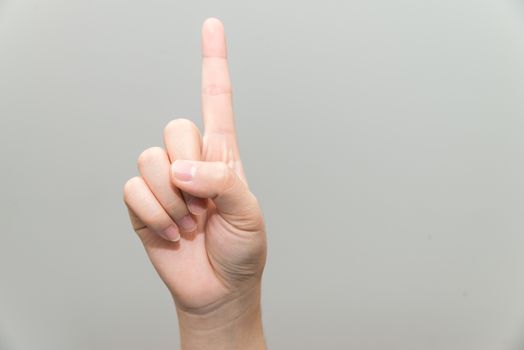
x=154, y=167
x=183, y=141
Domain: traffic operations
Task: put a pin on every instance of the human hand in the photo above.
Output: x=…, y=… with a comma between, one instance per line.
x=200, y=225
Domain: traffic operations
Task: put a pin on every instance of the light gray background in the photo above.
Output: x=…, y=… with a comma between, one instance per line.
x=383, y=138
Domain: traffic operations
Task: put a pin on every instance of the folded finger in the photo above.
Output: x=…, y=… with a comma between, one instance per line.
x=146, y=209
x=154, y=167
x=182, y=140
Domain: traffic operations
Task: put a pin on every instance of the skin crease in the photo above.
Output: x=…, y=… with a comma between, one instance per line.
x=211, y=252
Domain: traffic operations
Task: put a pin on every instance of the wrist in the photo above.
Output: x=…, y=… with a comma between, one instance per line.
x=232, y=324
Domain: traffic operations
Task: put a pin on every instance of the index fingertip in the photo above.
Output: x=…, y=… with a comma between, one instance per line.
x=213, y=23
x=213, y=38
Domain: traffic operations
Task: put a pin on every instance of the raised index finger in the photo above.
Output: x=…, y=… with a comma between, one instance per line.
x=217, y=104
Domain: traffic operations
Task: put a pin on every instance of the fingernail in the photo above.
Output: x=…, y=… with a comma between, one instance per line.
x=197, y=206
x=183, y=170
x=188, y=223
x=171, y=233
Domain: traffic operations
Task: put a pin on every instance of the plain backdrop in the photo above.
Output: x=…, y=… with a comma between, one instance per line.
x=383, y=138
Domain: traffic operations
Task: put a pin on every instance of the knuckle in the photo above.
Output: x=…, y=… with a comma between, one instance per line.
x=129, y=187
x=148, y=155
x=180, y=123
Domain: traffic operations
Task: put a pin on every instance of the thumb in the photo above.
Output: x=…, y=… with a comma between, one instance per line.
x=218, y=182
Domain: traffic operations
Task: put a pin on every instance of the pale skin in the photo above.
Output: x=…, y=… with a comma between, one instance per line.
x=201, y=226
